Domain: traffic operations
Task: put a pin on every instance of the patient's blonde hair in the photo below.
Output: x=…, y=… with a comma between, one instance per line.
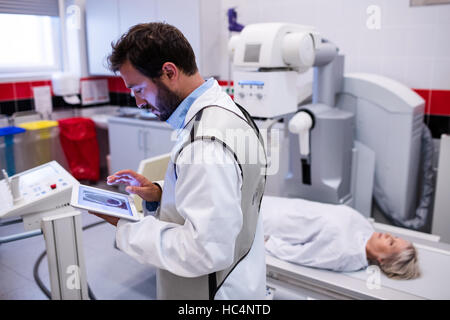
x=402, y=265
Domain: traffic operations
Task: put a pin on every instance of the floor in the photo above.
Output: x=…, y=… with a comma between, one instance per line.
x=111, y=274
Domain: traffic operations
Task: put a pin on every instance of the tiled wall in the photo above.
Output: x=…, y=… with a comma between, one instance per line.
x=119, y=94
x=411, y=46
x=18, y=96
x=437, y=110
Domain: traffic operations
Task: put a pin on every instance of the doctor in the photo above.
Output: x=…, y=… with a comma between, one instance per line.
x=206, y=238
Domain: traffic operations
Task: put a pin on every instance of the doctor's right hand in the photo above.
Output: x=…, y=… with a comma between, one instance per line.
x=136, y=184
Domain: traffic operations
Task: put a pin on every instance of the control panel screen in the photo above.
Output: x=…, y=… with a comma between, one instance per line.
x=251, y=53
x=40, y=174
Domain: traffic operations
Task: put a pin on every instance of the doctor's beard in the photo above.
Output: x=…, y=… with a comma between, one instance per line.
x=166, y=101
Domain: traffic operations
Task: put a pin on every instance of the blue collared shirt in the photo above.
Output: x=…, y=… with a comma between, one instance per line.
x=176, y=119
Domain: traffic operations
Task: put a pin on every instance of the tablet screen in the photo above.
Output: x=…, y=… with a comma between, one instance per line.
x=103, y=200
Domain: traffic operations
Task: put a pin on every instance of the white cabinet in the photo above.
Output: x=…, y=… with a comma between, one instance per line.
x=134, y=140
x=107, y=20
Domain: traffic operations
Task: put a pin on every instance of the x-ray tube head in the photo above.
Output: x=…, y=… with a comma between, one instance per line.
x=274, y=45
x=298, y=50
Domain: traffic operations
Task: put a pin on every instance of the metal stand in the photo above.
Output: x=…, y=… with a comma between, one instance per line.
x=63, y=238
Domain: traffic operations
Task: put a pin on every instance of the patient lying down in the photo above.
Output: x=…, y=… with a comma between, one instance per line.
x=333, y=237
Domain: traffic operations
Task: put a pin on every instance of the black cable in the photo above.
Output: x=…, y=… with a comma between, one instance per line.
x=38, y=280
x=36, y=275
x=7, y=223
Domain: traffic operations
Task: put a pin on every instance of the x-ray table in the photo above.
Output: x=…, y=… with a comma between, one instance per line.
x=291, y=281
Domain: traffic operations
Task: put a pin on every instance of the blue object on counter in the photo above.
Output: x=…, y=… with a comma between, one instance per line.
x=8, y=134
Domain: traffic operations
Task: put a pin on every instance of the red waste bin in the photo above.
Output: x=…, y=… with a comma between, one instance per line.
x=79, y=142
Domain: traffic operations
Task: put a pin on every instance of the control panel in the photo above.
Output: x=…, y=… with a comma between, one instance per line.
x=251, y=89
x=266, y=94
x=42, y=188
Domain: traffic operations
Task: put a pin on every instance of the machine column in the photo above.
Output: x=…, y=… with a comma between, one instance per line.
x=63, y=239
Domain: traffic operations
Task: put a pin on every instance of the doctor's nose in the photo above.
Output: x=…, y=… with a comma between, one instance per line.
x=141, y=103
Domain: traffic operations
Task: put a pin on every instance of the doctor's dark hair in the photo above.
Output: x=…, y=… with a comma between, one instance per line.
x=149, y=45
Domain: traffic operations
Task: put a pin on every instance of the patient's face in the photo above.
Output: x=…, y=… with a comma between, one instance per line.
x=382, y=245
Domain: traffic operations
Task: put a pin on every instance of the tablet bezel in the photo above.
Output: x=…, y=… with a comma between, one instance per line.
x=74, y=203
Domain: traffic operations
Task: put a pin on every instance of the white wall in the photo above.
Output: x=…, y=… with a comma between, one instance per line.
x=411, y=46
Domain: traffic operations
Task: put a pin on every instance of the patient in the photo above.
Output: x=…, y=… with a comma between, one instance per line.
x=333, y=237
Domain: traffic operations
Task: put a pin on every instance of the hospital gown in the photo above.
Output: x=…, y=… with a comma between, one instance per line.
x=315, y=234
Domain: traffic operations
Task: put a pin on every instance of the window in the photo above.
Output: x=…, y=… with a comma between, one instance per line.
x=30, y=44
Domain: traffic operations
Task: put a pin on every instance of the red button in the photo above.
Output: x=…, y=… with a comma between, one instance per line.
x=53, y=186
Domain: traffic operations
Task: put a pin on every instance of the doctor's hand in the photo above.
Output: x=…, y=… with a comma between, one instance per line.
x=136, y=184
x=109, y=219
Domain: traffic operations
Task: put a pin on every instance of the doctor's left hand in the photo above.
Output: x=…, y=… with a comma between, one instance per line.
x=109, y=219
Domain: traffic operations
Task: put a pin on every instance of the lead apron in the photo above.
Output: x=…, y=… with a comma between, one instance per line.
x=214, y=123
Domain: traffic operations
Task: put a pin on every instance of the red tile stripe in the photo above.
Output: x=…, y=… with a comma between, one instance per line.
x=20, y=90
x=6, y=91
x=437, y=102
x=224, y=83
x=116, y=84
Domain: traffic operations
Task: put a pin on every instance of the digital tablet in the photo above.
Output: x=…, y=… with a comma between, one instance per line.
x=105, y=202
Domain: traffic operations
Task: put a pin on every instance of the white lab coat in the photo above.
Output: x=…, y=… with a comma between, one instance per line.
x=315, y=234
x=208, y=198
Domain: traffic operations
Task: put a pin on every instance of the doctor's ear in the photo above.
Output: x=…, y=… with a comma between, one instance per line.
x=170, y=70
